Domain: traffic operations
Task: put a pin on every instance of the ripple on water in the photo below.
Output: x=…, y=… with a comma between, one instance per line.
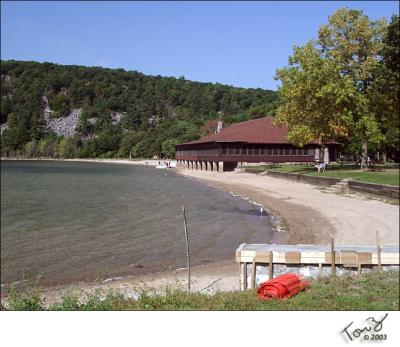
x=69, y=221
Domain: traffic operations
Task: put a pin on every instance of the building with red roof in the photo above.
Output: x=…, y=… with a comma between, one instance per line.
x=254, y=141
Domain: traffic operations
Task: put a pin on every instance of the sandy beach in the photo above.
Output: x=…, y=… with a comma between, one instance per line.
x=309, y=216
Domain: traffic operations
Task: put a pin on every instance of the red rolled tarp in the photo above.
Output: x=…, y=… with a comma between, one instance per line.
x=282, y=287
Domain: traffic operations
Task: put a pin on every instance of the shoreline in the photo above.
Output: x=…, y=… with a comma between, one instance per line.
x=308, y=215
x=351, y=219
x=144, y=162
x=210, y=278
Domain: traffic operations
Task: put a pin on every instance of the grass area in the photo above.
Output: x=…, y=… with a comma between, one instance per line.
x=386, y=177
x=370, y=291
x=389, y=176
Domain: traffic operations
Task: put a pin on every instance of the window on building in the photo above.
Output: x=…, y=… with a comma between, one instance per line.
x=223, y=150
x=276, y=152
x=237, y=150
x=281, y=151
x=287, y=151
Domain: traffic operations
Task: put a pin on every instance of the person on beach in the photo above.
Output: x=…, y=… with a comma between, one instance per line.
x=320, y=166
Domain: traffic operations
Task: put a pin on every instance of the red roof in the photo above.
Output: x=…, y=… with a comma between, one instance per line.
x=261, y=130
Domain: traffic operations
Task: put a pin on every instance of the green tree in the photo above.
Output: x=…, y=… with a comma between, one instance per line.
x=385, y=89
x=317, y=100
x=129, y=140
x=30, y=149
x=160, y=108
x=143, y=149
x=67, y=148
x=168, y=148
x=324, y=90
x=60, y=105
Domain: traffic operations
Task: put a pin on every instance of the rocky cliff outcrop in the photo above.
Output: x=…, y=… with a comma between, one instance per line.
x=65, y=126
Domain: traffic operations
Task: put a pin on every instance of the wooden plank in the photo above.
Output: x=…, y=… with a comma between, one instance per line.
x=253, y=275
x=378, y=250
x=313, y=260
x=271, y=265
x=312, y=254
x=328, y=257
x=245, y=276
x=262, y=258
x=390, y=256
x=348, y=258
x=364, y=258
x=237, y=255
x=248, y=253
x=385, y=259
x=345, y=257
x=279, y=257
x=246, y=259
x=292, y=257
x=333, y=265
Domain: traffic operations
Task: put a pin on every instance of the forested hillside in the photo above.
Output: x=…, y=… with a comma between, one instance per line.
x=74, y=111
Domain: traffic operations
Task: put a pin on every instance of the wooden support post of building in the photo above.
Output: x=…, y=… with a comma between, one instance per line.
x=359, y=269
x=333, y=265
x=253, y=274
x=320, y=269
x=245, y=276
x=378, y=251
x=271, y=265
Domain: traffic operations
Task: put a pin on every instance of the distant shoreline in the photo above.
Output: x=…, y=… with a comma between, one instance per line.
x=145, y=162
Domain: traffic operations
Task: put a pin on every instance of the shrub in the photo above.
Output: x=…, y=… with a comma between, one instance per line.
x=28, y=299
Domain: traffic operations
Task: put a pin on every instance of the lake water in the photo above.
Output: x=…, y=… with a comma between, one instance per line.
x=63, y=222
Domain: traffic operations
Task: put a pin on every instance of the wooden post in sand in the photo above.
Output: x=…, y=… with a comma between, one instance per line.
x=333, y=265
x=187, y=246
x=271, y=266
x=245, y=276
x=378, y=251
x=253, y=274
x=240, y=275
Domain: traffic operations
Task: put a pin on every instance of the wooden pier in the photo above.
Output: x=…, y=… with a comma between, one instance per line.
x=314, y=260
